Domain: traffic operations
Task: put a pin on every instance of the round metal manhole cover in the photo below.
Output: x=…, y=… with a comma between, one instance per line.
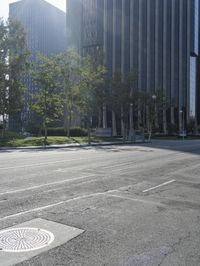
x=24, y=239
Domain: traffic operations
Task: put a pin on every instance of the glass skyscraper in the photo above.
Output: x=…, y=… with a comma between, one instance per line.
x=45, y=26
x=157, y=38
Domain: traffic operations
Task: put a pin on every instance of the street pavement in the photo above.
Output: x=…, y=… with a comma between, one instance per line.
x=138, y=205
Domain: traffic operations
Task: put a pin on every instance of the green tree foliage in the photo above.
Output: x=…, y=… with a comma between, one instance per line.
x=18, y=64
x=153, y=106
x=101, y=91
x=92, y=78
x=3, y=71
x=14, y=57
x=47, y=103
x=69, y=64
x=123, y=96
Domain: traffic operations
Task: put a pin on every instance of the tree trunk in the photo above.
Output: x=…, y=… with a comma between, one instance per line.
x=150, y=133
x=123, y=131
x=69, y=123
x=114, y=126
x=156, y=117
x=147, y=118
x=131, y=125
x=89, y=123
x=164, y=121
x=104, y=116
x=99, y=118
x=140, y=119
x=4, y=127
x=123, y=125
x=89, y=135
x=45, y=134
x=65, y=118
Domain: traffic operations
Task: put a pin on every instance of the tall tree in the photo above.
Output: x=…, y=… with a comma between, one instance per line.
x=152, y=106
x=69, y=64
x=14, y=57
x=47, y=103
x=123, y=98
x=3, y=73
x=92, y=78
x=18, y=65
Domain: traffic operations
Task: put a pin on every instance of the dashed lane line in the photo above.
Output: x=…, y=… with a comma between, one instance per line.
x=161, y=185
x=107, y=193
x=45, y=185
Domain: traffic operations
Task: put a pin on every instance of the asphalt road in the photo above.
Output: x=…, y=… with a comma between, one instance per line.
x=138, y=205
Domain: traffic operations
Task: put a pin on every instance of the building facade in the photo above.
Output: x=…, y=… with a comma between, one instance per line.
x=45, y=26
x=157, y=38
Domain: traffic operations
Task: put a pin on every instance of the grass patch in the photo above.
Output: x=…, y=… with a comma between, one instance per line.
x=20, y=141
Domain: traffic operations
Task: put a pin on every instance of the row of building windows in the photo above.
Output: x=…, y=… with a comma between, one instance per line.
x=154, y=37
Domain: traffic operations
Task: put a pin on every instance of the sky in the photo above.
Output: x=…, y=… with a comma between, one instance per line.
x=5, y=3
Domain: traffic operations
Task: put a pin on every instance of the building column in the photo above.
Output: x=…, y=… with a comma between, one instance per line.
x=140, y=57
x=114, y=125
x=131, y=123
x=156, y=45
x=148, y=44
x=164, y=65
x=131, y=35
x=123, y=38
x=172, y=100
x=105, y=23
x=122, y=54
x=180, y=104
x=188, y=62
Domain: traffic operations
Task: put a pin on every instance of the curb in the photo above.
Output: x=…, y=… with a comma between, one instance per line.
x=71, y=146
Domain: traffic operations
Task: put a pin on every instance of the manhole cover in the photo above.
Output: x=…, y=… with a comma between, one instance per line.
x=24, y=239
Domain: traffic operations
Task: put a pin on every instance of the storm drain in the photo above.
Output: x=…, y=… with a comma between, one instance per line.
x=27, y=240
x=24, y=239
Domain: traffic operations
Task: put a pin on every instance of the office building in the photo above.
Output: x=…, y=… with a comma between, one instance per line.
x=45, y=26
x=157, y=38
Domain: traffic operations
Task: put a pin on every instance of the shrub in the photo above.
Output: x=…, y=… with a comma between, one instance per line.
x=78, y=132
x=56, y=131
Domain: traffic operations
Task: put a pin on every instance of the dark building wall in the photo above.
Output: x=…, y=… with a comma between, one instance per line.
x=45, y=26
x=198, y=80
x=74, y=24
x=159, y=39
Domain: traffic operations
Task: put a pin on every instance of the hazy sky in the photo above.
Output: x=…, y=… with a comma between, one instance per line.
x=4, y=5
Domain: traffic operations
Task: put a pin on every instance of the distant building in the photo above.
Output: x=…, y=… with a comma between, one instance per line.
x=158, y=38
x=45, y=26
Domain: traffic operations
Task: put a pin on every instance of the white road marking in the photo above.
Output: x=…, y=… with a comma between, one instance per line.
x=36, y=164
x=44, y=185
x=136, y=200
x=116, y=165
x=161, y=185
x=70, y=200
x=53, y=162
x=49, y=206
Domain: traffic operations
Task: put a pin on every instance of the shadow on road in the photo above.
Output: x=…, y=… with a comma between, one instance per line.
x=187, y=146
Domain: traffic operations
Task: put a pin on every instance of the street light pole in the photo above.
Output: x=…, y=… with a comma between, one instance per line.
x=154, y=97
x=131, y=131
